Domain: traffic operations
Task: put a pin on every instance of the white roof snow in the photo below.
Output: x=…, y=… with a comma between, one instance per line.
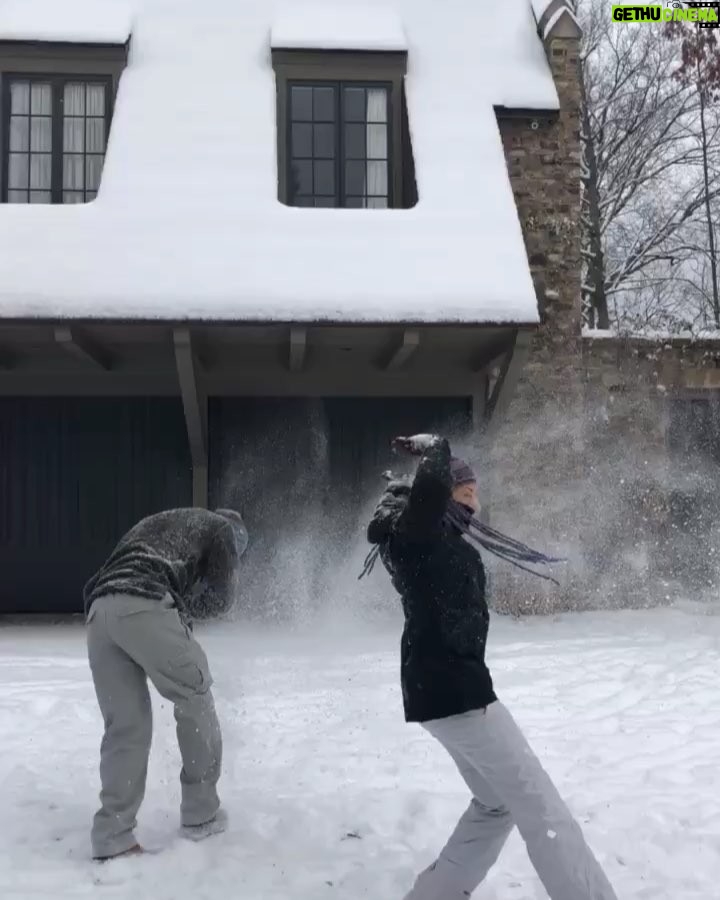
x=187, y=224
x=342, y=26
x=67, y=21
x=555, y=18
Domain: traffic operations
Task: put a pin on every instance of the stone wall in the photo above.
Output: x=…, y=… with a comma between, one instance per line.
x=603, y=470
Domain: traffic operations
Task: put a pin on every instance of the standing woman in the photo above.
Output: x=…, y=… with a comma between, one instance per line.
x=420, y=532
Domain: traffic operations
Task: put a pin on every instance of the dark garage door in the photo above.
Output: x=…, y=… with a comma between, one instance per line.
x=75, y=474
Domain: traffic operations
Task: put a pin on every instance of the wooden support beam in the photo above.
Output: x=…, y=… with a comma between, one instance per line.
x=511, y=368
x=195, y=408
x=298, y=348
x=481, y=358
x=401, y=353
x=81, y=347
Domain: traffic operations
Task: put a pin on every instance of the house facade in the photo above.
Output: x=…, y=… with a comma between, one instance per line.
x=243, y=245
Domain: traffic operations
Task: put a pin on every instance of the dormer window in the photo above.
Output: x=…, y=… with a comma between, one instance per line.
x=56, y=104
x=339, y=153
x=343, y=136
x=56, y=131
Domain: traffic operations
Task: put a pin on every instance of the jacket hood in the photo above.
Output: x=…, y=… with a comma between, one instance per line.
x=388, y=511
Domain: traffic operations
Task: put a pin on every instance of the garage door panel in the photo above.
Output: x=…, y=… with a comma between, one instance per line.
x=75, y=474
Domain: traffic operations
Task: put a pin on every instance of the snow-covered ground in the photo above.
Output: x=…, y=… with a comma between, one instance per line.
x=332, y=795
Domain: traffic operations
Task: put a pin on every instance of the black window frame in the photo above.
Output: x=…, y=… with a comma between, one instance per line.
x=57, y=82
x=361, y=68
x=339, y=122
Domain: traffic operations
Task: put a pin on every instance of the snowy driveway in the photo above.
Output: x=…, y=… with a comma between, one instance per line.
x=331, y=795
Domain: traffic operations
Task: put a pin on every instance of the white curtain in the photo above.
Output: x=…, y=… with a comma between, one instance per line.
x=73, y=172
x=40, y=100
x=96, y=100
x=376, y=186
x=40, y=172
x=74, y=100
x=20, y=98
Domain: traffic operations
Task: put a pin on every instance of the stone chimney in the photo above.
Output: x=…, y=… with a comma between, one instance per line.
x=536, y=451
x=543, y=155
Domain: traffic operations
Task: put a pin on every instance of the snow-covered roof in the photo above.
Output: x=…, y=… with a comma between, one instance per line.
x=66, y=21
x=557, y=16
x=314, y=26
x=187, y=224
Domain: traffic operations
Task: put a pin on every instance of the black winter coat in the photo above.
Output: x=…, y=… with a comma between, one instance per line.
x=441, y=580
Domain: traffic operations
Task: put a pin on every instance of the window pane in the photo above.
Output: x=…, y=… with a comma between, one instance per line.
x=354, y=104
x=73, y=165
x=326, y=202
x=377, y=179
x=302, y=139
x=377, y=141
x=96, y=100
x=19, y=133
x=73, y=197
x=324, y=178
x=40, y=99
x=355, y=202
x=20, y=97
x=355, y=178
x=18, y=170
x=355, y=142
x=301, y=103
x=377, y=203
x=324, y=104
x=40, y=196
x=93, y=171
x=304, y=201
x=324, y=144
x=40, y=135
x=302, y=178
x=377, y=105
x=95, y=136
x=17, y=196
x=90, y=195
x=74, y=104
x=73, y=135
x=40, y=171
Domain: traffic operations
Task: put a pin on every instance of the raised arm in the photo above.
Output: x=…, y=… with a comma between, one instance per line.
x=432, y=488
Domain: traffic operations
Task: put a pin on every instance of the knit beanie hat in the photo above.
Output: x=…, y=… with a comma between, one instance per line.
x=461, y=472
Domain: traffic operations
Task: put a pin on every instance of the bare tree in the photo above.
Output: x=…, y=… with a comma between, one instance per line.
x=640, y=184
x=699, y=71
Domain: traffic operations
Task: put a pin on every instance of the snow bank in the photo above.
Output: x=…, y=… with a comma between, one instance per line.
x=337, y=27
x=187, y=224
x=67, y=21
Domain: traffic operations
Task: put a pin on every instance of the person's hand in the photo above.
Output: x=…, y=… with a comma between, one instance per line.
x=415, y=445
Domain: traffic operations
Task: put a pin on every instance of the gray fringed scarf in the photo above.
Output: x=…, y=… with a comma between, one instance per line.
x=463, y=519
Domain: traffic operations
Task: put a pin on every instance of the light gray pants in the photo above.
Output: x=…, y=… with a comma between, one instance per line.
x=131, y=639
x=509, y=787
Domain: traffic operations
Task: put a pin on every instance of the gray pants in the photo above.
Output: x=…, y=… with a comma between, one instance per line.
x=509, y=787
x=131, y=639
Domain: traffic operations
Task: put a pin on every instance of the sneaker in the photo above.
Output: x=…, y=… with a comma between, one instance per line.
x=136, y=850
x=216, y=825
